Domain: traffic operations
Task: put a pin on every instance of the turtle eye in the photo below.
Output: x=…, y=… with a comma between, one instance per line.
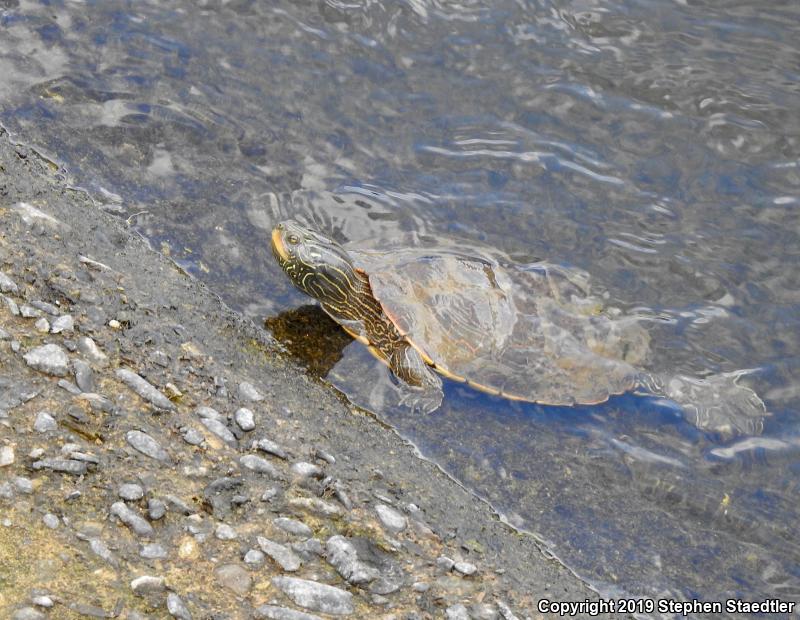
x=293, y=239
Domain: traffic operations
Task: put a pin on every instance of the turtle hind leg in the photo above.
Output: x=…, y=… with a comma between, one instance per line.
x=422, y=385
x=718, y=403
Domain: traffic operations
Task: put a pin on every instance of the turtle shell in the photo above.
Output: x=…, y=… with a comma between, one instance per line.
x=524, y=332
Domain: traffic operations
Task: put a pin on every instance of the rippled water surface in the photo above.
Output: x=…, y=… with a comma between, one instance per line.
x=654, y=145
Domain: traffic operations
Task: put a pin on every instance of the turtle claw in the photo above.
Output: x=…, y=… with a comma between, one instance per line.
x=424, y=401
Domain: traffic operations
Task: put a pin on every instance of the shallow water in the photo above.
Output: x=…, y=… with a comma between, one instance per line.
x=654, y=145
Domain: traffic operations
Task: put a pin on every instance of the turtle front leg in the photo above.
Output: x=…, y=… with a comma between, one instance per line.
x=425, y=386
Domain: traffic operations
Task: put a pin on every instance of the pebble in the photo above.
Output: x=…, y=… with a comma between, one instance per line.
x=64, y=323
x=49, y=358
x=69, y=386
x=303, y=469
x=46, y=307
x=248, y=392
x=67, y=466
x=42, y=325
x=6, y=456
x=315, y=596
x=260, y=465
x=101, y=550
x=28, y=613
x=234, y=577
x=343, y=556
x=314, y=504
x=153, y=551
x=29, y=312
x=273, y=612
x=391, y=519
x=292, y=526
x=51, y=521
x=4, y=335
x=177, y=608
x=209, y=413
x=131, y=519
x=91, y=351
x=219, y=429
x=24, y=485
x=465, y=568
x=225, y=532
x=156, y=509
x=270, y=447
x=145, y=389
x=282, y=555
x=456, y=612
x=42, y=601
x=192, y=436
x=142, y=442
x=254, y=557
x=131, y=492
x=7, y=285
x=84, y=376
x=444, y=563
x=245, y=419
x=309, y=547
x=13, y=308
x=147, y=584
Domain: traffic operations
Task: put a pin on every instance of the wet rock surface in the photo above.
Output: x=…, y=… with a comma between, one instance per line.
x=135, y=484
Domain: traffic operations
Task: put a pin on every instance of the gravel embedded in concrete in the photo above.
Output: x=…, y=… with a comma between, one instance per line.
x=316, y=596
x=48, y=358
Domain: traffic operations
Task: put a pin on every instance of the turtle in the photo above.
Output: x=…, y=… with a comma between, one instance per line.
x=521, y=332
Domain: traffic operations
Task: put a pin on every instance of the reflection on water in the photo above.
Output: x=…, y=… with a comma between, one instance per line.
x=654, y=145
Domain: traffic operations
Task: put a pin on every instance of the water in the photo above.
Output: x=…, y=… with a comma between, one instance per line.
x=655, y=145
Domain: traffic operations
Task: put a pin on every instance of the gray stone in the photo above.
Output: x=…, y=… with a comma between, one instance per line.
x=42, y=601
x=270, y=447
x=245, y=419
x=13, y=394
x=24, y=485
x=156, y=509
x=66, y=466
x=69, y=386
x=254, y=557
x=142, y=442
x=465, y=568
x=309, y=548
x=29, y=312
x=208, y=412
x=84, y=376
x=44, y=422
x=101, y=550
x=4, y=335
x=177, y=608
x=302, y=469
x=131, y=492
x=192, y=436
x=153, y=551
x=273, y=612
x=147, y=584
x=7, y=285
x=131, y=519
x=42, y=325
x=343, y=556
x=6, y=456
x=51, y=521
x=46, y=307
x=293, y=526
x=456, y=612
x=260, y=465
x=444, y=563
x=63, y=323
x=234, y=577
x=91, y=351
x=28, y=613
x=49, y=358
x=225, y=532
x=219, y=429
x=316, y=596
x=145, y=389
x=6, y=490
x=248, y=392
x=284, y=556
x=13, y=308
x=391, y=519
x=506, y=612
x=315, y=505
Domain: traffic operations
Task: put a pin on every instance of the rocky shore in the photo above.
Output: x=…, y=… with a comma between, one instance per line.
x=160, y=458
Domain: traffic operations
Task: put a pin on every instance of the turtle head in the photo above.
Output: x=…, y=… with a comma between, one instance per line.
x=316, y=264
